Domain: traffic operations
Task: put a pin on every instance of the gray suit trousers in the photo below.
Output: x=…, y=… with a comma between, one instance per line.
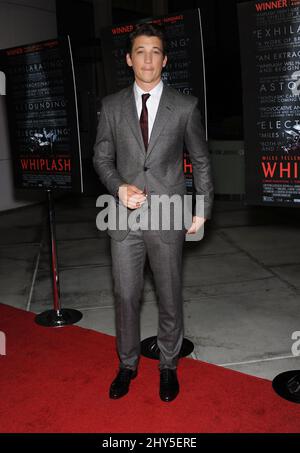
x=128, y=261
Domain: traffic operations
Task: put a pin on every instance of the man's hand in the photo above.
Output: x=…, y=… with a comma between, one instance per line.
x=198, y=222
x=131, y=196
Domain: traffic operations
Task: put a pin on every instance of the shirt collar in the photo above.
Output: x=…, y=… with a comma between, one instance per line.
x=155, y=92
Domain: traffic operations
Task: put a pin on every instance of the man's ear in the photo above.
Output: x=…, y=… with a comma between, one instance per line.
x=128, y=59
x=165, y=61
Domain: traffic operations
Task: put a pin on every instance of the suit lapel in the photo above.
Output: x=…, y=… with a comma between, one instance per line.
x=164, y=111
x=131, y=116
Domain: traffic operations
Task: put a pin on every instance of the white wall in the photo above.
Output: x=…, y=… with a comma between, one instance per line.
x=21, y=22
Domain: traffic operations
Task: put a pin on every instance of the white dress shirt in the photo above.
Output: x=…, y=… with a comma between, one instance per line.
x=152, y=102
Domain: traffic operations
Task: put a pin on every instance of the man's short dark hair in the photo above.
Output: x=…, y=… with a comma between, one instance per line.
x=148, y=30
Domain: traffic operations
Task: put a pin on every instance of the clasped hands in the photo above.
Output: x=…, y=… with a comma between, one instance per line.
x=133, y=198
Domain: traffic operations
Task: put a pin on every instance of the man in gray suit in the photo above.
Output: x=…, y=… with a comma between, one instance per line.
x=139, y=153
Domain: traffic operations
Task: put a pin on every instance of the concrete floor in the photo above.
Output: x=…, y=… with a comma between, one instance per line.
x=241, y=282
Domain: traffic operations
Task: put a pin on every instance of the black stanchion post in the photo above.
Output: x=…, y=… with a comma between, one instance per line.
x=58, y=317
x=150, y=349
x=287, y=385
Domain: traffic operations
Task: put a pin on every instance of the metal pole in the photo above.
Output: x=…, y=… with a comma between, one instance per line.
x=58, y=317
x=54, y=265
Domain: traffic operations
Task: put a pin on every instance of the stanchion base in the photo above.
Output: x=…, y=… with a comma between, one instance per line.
x=150, y=349
x=287, y=385
x=63, y=317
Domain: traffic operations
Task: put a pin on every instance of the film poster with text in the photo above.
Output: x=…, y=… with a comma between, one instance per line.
x=42, y=115
x=270, y=56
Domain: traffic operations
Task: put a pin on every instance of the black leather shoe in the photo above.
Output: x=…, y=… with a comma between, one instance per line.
x=120, y=385
x=169, y=386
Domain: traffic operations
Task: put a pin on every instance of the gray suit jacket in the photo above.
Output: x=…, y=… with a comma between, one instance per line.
x=120, y=156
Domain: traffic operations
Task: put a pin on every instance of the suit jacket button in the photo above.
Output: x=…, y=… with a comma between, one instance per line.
x=146, y=168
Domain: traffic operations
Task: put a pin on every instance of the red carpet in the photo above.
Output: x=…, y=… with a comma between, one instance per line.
x=57, y=380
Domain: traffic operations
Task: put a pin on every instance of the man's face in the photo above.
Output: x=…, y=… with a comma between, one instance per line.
x=147, y=60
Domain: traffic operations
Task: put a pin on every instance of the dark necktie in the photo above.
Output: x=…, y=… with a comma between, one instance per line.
x=144, y=119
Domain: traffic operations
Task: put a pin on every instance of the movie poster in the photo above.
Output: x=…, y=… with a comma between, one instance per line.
x=42, y=115
x=270, y=55
x=185, y=68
